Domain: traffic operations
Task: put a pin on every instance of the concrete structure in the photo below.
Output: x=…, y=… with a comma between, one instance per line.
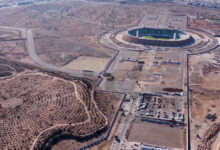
x=157, y=37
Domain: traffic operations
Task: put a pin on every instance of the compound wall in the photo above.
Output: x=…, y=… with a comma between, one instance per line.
x=131, y=38
x=171, y=43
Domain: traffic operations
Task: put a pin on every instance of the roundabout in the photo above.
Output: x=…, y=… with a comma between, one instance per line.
x=146, y=38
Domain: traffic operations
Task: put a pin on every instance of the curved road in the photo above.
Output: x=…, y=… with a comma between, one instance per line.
x=32, y=53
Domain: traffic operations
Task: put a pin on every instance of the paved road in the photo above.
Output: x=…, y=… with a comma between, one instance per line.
x=162, y=19
x=150, y=56
x=182, y=72
x=105, y=41
x=126, y=124
x=32, y=53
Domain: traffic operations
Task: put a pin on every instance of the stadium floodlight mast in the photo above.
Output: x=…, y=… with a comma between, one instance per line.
x=137, y=33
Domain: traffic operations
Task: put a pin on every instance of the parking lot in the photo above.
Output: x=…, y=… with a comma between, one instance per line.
x=161, y=107
x=143, y=72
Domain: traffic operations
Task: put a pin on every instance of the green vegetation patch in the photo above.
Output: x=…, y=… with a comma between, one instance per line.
x=156, y=38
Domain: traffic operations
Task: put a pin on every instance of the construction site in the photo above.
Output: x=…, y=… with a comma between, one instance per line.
x=109, y=75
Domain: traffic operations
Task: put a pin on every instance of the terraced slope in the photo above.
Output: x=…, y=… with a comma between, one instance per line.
x=36, y=107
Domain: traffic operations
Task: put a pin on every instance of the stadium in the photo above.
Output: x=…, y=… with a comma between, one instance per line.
x=157, y=37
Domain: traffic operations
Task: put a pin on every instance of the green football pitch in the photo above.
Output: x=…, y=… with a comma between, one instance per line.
x=156, y=38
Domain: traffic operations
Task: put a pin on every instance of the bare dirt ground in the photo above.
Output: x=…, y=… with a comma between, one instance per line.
x=12, y=46
x=216, y=144
x=87, y=63
x=206, y=25
x=156, y=134
x=171, y=73
x=65, y=31
x=204, y=85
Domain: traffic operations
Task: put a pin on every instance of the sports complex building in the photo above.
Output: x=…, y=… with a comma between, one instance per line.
x=157, y=37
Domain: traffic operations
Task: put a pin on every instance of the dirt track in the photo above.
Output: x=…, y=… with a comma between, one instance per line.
x=42, y=96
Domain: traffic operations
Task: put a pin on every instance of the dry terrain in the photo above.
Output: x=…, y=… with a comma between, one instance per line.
x=38, y=107
x=65, y=31
x=87, y=63
x=12, y=45
x=109, y=105
x=44, y=109
x=161, y=135
x=204, y=99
